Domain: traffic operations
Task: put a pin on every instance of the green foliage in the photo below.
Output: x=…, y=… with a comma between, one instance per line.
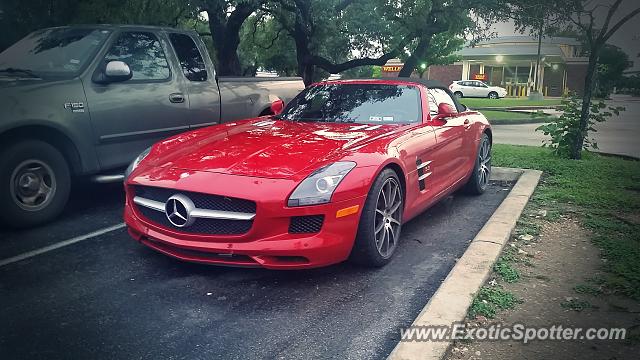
x=20, y=18
x=565, y=130
x=612, y=62
x=507, y=272
x=602, y=190
x=265, y=45
x=576, y=305
x=587, y=289
x=489, y=300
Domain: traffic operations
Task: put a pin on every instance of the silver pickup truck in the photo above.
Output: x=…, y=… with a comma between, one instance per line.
x=85, y=100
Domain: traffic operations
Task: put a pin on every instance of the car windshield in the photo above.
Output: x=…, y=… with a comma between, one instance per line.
x=356, y=103
x=59, y=52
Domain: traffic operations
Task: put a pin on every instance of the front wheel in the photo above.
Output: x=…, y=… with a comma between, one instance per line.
x=458, y=94
x=479, y=179
x=493, y=95
x=34, y=183
x=380, y=222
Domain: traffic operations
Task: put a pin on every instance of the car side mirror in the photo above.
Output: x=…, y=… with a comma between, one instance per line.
x=114, y=71
x=277, y=106
x=446, y=110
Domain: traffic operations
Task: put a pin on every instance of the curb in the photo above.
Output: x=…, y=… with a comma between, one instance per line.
x=523, y=107
x=519, y=121
x=451, y=301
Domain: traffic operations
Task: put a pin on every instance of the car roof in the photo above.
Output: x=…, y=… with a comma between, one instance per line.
x=123, y=27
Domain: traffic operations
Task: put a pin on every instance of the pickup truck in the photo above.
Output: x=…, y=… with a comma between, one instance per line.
x=85, y=100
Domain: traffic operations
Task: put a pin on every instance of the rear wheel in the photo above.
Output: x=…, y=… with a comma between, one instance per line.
x=34, y=183
x=458, y=94
x=479, y=179
x=380, y=222
x=493, y=95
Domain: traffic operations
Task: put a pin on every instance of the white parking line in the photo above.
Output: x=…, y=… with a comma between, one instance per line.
x=60, y=244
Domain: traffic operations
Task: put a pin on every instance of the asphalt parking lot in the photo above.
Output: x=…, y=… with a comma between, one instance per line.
x=109, y=297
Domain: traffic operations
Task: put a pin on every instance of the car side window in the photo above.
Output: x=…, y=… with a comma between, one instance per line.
x=143, y=53
x=433, y=103
x=440, y=96
x=189, y=56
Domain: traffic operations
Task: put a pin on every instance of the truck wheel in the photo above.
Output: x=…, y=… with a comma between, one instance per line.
x=34, y=183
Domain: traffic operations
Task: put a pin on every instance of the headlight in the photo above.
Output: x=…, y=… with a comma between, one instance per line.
x=318, y=187
x=134, y=164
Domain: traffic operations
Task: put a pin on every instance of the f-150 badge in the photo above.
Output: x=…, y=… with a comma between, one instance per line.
x=74, y=106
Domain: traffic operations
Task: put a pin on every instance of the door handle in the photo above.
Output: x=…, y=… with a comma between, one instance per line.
x=176, y=98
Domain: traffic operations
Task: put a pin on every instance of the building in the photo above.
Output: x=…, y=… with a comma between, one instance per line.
x=510, y=62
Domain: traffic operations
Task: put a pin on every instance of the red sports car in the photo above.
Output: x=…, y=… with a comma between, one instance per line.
x=333, y=176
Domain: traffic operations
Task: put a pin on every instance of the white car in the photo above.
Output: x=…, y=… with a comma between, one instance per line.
x=475, y=88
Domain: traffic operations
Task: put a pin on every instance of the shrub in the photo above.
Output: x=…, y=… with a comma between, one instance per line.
x=565, y=130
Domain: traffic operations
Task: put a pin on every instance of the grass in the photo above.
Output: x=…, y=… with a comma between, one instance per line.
x=576, y=305
x=587, y=289
x=476, y=103
x=489, y=299
x=603, y=192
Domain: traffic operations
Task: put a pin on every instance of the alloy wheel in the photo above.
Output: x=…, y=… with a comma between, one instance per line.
x=484, y=158
x=388, y=217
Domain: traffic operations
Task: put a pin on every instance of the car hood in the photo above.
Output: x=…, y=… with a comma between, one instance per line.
x=263, y=147
x=497, y=88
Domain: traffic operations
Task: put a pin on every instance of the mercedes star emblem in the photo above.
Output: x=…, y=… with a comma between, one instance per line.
x=178, y=210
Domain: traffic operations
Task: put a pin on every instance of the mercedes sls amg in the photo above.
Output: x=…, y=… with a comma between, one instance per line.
x=333, y=176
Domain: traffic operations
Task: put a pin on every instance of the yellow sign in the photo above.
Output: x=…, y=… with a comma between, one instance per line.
x=392, y=68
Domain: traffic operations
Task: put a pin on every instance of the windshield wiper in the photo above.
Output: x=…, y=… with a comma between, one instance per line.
x=27, y=72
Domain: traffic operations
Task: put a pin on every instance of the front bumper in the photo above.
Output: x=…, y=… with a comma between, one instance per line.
x=268, y=243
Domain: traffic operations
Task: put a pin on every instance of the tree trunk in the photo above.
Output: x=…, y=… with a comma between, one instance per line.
x=589, y=82
x=536, y=82
x=419, y=53
x=225, y=31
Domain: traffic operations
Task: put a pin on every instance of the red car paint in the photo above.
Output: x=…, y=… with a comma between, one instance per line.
x=264, y=159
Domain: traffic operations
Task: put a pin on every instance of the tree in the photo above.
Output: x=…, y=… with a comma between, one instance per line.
x=226, y=18
x=584, y=14
x=327, y=34
x=369, y=33
x=612, y=63
x=19, y=18
x=265, y=44
x=539, y=17
x=595, y=22
x=434, y=21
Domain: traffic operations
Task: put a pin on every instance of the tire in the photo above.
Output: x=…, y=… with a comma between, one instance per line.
x=493, y=95
x=369, y=248
x=458, y=94
x=477, y=183
x=38, y=166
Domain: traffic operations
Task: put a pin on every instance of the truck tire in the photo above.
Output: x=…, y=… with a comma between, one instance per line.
x=34, y=183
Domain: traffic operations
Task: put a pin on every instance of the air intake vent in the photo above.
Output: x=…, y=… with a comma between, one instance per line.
x=306, y=224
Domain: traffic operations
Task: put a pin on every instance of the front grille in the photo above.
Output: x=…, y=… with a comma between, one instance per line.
x=201, y=201
x=306, y=224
